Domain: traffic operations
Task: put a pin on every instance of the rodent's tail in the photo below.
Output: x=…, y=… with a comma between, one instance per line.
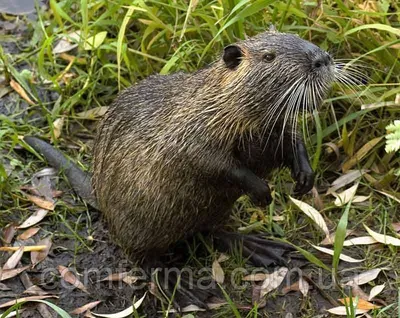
x=79, y=179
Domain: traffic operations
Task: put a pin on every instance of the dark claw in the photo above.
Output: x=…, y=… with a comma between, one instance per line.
x=304, y=182
x=262, y=196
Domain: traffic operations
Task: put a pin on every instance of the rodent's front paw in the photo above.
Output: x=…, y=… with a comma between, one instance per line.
x=304, y=182
x=261, y=196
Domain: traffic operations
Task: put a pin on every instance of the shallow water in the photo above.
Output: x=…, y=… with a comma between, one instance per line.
x=18, y=7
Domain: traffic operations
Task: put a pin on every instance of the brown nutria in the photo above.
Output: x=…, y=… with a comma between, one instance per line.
x=173, y=153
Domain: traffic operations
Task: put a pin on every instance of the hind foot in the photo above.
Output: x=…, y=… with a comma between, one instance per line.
x=260, y=251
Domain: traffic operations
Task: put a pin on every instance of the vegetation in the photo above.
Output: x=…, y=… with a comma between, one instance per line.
x=118, y=43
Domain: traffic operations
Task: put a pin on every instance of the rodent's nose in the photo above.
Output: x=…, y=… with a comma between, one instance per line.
x=323, y=59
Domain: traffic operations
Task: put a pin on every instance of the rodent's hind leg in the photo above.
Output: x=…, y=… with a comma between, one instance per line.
x=260, y=251
x=252, y=185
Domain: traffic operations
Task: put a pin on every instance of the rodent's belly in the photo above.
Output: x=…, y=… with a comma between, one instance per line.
x=141, y=221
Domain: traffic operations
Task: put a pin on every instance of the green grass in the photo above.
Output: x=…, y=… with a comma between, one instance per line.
x=123, y=42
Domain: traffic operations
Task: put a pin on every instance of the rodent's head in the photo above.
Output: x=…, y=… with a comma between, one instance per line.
x=278, y=71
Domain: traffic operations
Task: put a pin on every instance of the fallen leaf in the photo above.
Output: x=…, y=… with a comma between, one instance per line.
x=312, y=213
x=356, y=291
x=13, y=261
x=217, y=272
x=222, y=258
x=396, y=226
x=360, y=154
x=391, y=196
x=190, y=308
x=115, y=277
x=360, y=198
x=93, y=113
x=41, y=203
x=67, y=43
x=362, y=240
x=341, y=311
x=9, y=232
x=345, y=196
x=28, y=233
x=36, y=290
x=361, y=303
x=384, y=239
x=301, y=285
x=258, y=277
x=347, y=178
x=84, y=308
x=70, y=277
x=25, y=299
x=375, y=291
x=124, y=313
x=273, y=281
x=35, y=218
x=330, y=240
x=21, y=92
x=364, y=277
x=57, y=127
x=38, y=256
x=9, y=273
x=130, y=280
x=342, y=256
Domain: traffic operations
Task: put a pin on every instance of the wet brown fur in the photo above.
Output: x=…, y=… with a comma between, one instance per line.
x=166, y=145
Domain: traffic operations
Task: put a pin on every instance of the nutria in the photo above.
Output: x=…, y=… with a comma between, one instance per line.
x=173, y=153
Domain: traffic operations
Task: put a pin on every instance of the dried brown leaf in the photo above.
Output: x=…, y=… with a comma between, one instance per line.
x=41, y=203
x=36, y=290
x=115, y=277
x=38, y=256
x=273, y=281
x=361, y=303
x=57, y=127
x=364, y=277
x=130, y=280
x=14, y=259
x=342, y=311
x=360, y=154
x=84, y=308
x=258, y=277
x=35, y=218
x=347, y=178
x=301, y=285
x=21, y=92
x=217, y=272
x=28, y=233
x=9, y=273
x=70, y=277
x=381, y=238
x=342, y=256
x=9, y=232
x=375, y=291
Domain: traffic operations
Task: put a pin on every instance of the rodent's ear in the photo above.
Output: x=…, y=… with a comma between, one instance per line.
x=232, y=56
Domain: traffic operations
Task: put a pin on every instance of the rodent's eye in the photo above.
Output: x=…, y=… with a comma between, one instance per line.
x=269, y=57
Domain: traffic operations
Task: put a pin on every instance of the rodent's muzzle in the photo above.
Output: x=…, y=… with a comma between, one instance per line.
x=321, y=59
